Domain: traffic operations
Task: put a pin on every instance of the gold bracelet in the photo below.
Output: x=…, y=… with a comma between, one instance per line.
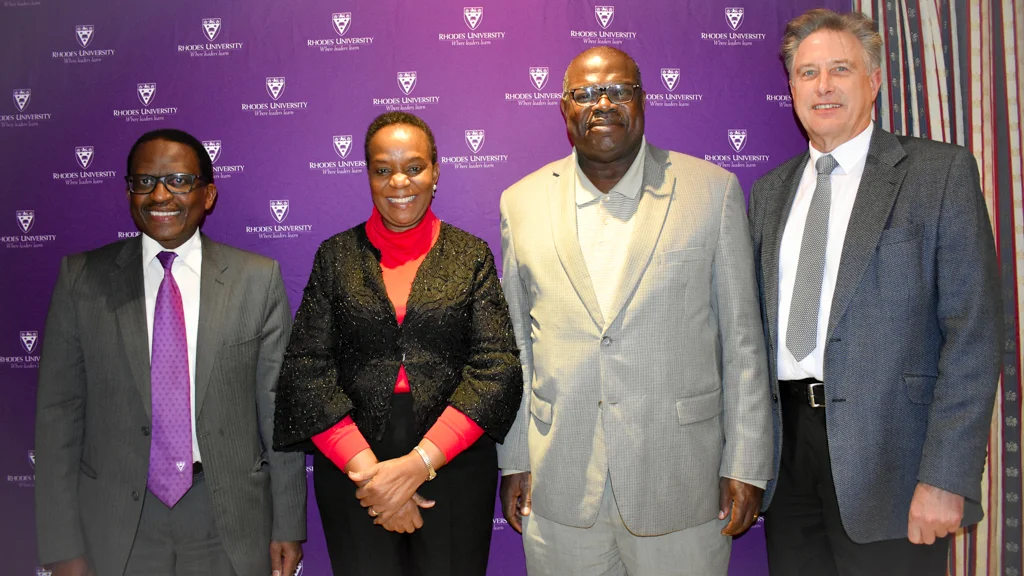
x=426, y=461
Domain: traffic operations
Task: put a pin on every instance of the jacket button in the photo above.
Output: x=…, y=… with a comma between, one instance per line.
x=606, y=341
x=775, y=397
x=135, y=495
x=145, y=430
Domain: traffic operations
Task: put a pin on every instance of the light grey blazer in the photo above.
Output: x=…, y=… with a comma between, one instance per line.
x=912, y=352
x=93, y=411
x=668, y=392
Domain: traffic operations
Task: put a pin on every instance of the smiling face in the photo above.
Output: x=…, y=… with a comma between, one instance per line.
x=170, y=219
x=604, y=132
x=833, y=89
x=402, y=177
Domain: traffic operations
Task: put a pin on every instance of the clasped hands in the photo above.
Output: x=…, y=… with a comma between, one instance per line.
x=388, y=491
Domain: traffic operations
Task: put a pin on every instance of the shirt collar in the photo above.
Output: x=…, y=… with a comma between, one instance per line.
x=629, y=186
x=849, y=153
x=190, y=253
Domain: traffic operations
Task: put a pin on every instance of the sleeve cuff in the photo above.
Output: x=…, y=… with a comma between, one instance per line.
x=341, y=442
x=453, y=432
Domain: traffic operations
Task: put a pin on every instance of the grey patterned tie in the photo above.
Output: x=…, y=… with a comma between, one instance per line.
x=802, y=332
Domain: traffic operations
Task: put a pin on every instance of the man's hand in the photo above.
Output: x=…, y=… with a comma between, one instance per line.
x=74, y=567
x=516, y=498
x=742, y=501
x=408, y=519
x=934, y=513
x=284, y=557
x=389, y=485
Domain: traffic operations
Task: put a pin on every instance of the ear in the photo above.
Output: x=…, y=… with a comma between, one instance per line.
x=211, y=195
x=436, y=169
x=875, y=79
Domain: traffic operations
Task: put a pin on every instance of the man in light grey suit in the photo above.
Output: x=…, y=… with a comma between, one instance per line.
x=879, y=289
x=217, y=321
x=645, y=418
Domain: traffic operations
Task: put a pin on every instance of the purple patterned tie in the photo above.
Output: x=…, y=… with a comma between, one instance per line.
x=170, y=452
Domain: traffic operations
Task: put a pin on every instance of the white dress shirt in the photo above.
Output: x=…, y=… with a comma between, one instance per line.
x=604, y=226
x=186, y=270
x=845, y=179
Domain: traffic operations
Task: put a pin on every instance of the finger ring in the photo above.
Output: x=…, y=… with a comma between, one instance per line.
x=373, y=512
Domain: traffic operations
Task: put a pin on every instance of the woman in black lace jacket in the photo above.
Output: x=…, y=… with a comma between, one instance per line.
x=402, y=360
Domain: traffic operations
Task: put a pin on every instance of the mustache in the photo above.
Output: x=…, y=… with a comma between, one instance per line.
x=605, y=117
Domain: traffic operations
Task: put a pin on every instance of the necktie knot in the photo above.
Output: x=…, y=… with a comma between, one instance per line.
x=826, y=164
x=166, y=259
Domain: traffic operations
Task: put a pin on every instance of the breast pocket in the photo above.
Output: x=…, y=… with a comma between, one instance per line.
x=683, y=256
x=899, y=268
x=240, y=357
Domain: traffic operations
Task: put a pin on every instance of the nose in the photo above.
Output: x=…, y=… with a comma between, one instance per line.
x=399, y=180
x=604, y=102
x=160, y=193
x=825, y=84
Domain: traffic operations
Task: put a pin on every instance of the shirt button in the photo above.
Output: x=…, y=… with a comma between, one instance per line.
x=135, y=495
x=145, y=430
x=606, y=341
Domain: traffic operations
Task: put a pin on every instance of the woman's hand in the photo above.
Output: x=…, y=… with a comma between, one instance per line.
x=408, y=518
x=387, y=486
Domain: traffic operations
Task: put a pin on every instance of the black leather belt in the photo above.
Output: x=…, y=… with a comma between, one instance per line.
x=807, y=390
x=197, y=468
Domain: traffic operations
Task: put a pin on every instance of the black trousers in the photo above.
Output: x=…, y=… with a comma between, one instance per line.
x=456, y=535
x=802, y=526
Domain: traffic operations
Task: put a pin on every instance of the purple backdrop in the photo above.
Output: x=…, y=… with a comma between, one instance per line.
x=281, y=94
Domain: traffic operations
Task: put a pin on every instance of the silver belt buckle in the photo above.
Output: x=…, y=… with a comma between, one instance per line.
x=810, y=394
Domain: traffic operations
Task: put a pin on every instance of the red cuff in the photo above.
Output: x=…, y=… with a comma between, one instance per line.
x=341, y=442
x=453, y=432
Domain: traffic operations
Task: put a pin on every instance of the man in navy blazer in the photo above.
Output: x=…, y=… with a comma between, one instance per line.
x=879, y=293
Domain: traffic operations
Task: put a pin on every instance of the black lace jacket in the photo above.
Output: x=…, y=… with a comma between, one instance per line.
x=346, y=346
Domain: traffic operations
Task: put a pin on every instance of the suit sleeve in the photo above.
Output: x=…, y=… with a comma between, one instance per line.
x=287, y=470
x=489, y=391
x=747, y=422
x=969, y=313
x=514, y=454
x=309, y=400
x=60, y=427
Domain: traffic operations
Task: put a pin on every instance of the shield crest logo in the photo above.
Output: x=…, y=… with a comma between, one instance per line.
x=211, y=28
x=43, y=572
x=83, y=33
x=670, y=78
x=32, y=458
x=275, y=86
x=29, y=339
x=213, y=149
x=734, y=16
x=407, y=82
x=539, y=76
x=343, y=145
x=21, y=98
x=26, y=218
x=298, y=569
x=473, y=15
x=279, y=210
x=475, y=140
x=737, y=139
x=84, y=156
x=146, y=92
x=341, y=21
x=605, y=15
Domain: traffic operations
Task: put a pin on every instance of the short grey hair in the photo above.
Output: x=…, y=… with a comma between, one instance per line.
x=860, y=25
x=565, y=77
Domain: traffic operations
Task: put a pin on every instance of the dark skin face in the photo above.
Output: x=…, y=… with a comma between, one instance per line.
x=402, y=177
x=170, y=219
x=607, y=136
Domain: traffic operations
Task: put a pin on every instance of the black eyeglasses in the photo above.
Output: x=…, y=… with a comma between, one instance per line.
x=617, y=93
x=174, y=183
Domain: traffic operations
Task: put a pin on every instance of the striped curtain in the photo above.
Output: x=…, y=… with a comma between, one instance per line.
x=951, y=72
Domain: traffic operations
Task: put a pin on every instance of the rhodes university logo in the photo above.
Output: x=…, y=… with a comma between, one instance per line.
x=407, y=82
x=341, y=21
x=213, y=149
x=473, y=15
x=343, y=145
x=475, y=140
x=737, y=139
x=539, y=77
x=84, y=156
x=21, y=98
x=670, y=78
x=604, y=15
x=279, y=210
x=29, y=338
x=275, y=86
x=211, y=28
x=146, y=91
x=83, y=33
x=734, y=16
x=32, y=458
x=26, y=218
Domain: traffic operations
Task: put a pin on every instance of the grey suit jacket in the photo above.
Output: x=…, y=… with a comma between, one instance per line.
x=668, y=392
x=912, y=352
x=93, y=412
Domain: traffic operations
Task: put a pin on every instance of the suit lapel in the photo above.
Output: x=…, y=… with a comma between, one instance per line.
x=562, y=203
x=876, y=194
x=128, y=287
x=213, y=306
x=774, y=226
x=657, y=191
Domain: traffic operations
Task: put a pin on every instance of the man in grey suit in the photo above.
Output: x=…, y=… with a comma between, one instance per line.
x=645, y=419
x=879, y=290
x=156, y=394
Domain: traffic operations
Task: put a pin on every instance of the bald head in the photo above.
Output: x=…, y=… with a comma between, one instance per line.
x=606, y=52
